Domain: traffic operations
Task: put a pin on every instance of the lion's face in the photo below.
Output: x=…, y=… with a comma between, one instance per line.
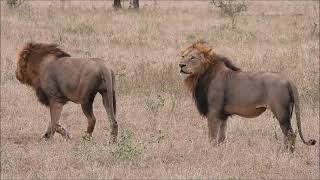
x=191, y=63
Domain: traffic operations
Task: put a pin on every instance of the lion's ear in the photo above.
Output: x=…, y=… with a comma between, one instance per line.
x=203, y=55
x=208, y=52
x=211, y=52
x=182, y=52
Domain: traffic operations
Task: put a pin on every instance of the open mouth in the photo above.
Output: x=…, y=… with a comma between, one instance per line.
x=183, y=72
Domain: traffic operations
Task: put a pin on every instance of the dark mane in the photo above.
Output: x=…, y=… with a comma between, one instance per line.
x=42, y=96
x=200, y=93
x=36, y=51
x=202, y=82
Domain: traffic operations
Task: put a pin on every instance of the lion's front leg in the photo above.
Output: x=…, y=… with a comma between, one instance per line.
x=222, y=131
x=54, y=126
x=50, y=131
x=213, y=125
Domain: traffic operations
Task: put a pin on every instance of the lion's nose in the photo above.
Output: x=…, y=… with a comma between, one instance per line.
x=182, y=65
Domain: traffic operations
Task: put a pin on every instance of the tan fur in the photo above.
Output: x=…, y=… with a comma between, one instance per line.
x=220, y=89
x=57, y=78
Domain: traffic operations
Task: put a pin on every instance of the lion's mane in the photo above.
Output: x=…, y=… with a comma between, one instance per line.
x=198, y=83
x=29, y=59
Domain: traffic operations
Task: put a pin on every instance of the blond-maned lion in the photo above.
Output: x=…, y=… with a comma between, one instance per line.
x=220, y=90
x=58, y=78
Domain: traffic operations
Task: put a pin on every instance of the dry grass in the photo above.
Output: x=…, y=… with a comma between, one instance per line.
x=162, y=134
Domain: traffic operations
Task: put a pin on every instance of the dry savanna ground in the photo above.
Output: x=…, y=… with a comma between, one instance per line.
x=161, y=133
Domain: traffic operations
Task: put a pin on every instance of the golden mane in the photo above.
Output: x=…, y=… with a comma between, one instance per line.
x=202, y=47
x=210, y=58
x=36, y=51
x=199, y=45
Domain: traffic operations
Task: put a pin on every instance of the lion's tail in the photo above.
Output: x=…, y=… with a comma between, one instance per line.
x=114, y=93
x=295, y=96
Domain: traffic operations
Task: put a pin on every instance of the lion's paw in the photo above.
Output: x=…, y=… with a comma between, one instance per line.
x=87, y=136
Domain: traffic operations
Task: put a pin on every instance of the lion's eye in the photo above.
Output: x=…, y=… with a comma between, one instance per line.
x=192, y=57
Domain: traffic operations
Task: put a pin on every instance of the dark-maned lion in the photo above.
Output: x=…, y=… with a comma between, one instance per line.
x=58, y=78
x=220, y=89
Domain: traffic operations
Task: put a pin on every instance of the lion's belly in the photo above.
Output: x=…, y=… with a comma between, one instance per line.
x=248, y=112
x=74, y=97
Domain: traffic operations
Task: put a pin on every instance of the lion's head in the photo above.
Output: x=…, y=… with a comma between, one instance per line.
x=195, y=59
x=30, y=58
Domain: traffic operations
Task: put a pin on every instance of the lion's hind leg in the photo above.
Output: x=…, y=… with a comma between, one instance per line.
x=88, y=112
x=283, y=115
x=108, y=103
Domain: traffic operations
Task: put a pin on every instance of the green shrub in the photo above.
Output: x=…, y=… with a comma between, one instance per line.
x=125, y=149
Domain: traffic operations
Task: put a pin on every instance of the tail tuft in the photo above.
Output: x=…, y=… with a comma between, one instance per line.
x=311, y=142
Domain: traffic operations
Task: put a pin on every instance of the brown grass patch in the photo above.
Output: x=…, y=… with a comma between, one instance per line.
x=163, y=136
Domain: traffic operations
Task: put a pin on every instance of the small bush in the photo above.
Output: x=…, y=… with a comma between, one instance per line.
x=125, y=149
x=14, y=3
x=158, y=137
x=81, y=29
x=314, y=30
x=231, y=8
x=191, y=37
x=155, y=104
